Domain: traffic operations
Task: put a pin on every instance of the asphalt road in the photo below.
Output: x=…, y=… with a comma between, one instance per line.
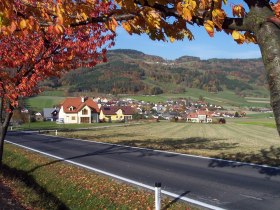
x=228, y=185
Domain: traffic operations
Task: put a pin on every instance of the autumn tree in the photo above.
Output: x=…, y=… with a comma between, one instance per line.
x=31, y=52
x=255, y=21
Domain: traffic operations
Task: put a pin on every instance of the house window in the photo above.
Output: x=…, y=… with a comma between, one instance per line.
x=84, y=112
x=73, y=118
x=71, y=108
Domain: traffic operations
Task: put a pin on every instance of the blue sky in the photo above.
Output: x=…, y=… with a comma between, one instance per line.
x=203, y=46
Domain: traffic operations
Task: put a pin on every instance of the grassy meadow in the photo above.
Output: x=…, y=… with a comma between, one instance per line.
x=37, y=103
x=251, y=140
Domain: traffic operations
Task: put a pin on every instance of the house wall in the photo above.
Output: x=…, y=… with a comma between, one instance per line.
x=116, y=117
x=71, y=118
x=196, y=120
x=80, y=114
x=74, y=117
x=102, y=116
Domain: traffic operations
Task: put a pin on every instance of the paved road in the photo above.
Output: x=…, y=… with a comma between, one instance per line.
x=228, y=185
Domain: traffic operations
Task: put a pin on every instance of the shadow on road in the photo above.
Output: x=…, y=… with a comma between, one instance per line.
x=269, y=157
x=109, y=150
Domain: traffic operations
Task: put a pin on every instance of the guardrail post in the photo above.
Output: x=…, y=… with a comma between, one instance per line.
x=157, y=195
x=11, y=128
x=56, y=132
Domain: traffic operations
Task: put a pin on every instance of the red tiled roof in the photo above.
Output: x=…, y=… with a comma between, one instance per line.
x=192, y=115
x=201, y=112
x=77, y=104
x=111, y=110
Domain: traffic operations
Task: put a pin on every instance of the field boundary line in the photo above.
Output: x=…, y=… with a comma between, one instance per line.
x=196, y=202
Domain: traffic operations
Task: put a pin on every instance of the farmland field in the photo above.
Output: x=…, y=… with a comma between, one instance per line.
x=248, y=140
x=225, y=98
x=39, y=102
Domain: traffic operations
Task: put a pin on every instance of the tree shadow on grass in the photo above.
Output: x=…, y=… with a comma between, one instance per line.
x=270, y=157
x=186, y=143
x=47, y=199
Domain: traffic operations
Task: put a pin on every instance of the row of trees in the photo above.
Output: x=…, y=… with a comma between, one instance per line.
x=39, y=39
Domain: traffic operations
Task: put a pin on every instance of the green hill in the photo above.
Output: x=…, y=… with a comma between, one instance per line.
x=133, y=72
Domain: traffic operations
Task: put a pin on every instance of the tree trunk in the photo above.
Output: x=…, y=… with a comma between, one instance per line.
x=3, y=132
x=268, y=37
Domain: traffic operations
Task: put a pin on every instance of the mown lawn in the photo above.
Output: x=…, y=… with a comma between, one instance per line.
x=56, y=126
x=43, y=183
x=245, y=141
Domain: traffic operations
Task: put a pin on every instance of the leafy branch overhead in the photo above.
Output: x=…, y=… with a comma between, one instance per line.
x=155, y=18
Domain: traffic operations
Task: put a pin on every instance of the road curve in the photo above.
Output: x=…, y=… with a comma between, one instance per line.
x=226, y=184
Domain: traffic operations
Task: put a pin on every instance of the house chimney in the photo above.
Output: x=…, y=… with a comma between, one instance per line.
x=84, y=98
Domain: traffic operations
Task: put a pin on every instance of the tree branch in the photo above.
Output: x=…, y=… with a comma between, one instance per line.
x=239, y=24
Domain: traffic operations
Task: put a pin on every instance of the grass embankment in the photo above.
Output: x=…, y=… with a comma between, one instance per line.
x=43, y=183
x=243, y=141
x=55, y=126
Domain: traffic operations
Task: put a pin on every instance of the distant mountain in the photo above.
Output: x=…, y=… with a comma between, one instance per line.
x=131, y=71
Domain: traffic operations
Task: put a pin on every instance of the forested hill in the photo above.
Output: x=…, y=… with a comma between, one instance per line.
x=130, y=71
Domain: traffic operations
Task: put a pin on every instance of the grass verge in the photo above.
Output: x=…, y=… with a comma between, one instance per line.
x=44, y=183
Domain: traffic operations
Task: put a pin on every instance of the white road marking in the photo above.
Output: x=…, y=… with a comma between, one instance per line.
x=122, y=178
x=253, y=197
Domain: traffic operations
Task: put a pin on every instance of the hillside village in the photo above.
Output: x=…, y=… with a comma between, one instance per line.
x=77, y=110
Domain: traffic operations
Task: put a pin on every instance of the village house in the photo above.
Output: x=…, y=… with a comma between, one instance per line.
x=79, y=110
x=116, y=113
x=199, y=116
x=50, y=114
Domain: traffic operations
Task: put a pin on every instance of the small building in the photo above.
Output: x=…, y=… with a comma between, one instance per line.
x=50, y=114
x=116, y=113
x=79, y=110
x=199, y=117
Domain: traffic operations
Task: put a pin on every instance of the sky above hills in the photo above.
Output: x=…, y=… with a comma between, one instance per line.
x=203, y=46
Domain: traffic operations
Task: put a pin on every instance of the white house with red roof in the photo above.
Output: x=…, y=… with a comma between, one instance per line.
x=200, y=116
x=79, y=110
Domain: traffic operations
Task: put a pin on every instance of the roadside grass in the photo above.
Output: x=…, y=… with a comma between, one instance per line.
x=251, y=142
x=39, y=182
x=48, y=125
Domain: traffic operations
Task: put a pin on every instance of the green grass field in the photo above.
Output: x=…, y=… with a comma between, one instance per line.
x=37, y=103
x=224, y=98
